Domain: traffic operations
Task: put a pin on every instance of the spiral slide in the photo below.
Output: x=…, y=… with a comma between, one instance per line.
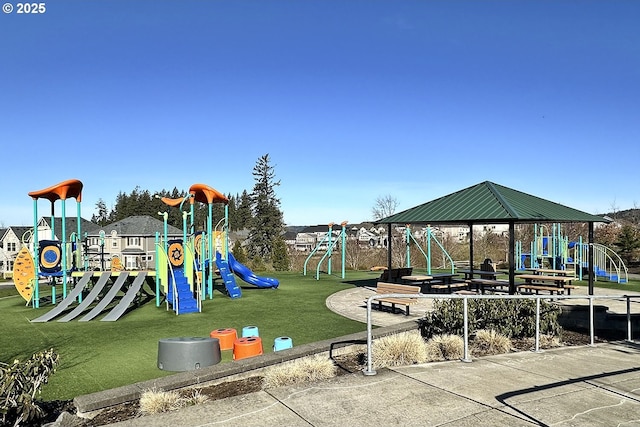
x=249, y=276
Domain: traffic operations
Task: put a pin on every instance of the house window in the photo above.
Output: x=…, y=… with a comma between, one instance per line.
x=114, y=243
x=133, y=241
x=11, y=247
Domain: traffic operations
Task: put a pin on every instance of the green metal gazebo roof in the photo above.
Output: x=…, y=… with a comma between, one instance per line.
x=488, y=203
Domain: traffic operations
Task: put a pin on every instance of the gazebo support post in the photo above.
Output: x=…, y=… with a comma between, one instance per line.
x=512, y=258
x=471, y=249
x=389, y=247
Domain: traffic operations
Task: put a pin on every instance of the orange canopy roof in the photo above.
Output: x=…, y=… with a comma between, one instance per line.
x=60, y=191
x=172, y=202
x=205, y=194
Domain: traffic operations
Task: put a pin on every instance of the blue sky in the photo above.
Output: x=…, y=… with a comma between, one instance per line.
x=352, y=100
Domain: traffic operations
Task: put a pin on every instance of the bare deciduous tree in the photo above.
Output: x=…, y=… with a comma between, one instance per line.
x=385, y=206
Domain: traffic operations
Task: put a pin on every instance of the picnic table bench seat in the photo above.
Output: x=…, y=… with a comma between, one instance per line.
x=539, y=287
x=449, y=287
x=394, y=288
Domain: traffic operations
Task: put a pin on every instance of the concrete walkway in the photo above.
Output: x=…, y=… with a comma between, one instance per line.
x=570, y=386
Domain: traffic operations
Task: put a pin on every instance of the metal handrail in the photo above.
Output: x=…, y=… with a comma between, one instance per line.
x=173, y=282
x=465, y=298
x=197, y=279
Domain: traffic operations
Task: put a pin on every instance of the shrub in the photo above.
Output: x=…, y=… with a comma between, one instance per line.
x=312, y=368
x=400, y=349
x=21, y=382
x=445, y=347
x=514, y=318
x=488, y=342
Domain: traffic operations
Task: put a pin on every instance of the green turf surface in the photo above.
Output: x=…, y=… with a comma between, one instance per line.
x=101, y=355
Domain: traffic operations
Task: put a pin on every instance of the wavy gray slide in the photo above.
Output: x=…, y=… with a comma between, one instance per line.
x=89, y=299
x=122, y=306
x=107, y=298
x=71, y=296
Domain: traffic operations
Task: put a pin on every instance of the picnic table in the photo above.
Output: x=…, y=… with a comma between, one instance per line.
x=483, y=274
x=489, y=285
x=538, y=282
x=428, y=282
x=552, y=272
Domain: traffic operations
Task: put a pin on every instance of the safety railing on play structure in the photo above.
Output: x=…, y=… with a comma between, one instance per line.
x=187, y=248
x=607, y=263
x=174, y=299
x=465, y=299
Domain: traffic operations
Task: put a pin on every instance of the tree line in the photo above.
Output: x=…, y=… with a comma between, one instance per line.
x=257, y=211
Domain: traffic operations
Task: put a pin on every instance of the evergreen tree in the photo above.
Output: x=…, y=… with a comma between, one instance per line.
x=266, y=224
x=628, y=242
x=243, y=211
x=280, y=255
x=102, y=217
x=238, y=252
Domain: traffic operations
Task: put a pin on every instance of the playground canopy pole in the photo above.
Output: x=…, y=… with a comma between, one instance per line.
x=36, y=255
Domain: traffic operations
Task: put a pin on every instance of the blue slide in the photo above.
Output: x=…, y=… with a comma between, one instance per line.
x=249, y=276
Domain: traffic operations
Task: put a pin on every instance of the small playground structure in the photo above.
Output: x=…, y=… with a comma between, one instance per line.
x=329, y=243
x=333, y=238
x=551, y=248
x=184, y=273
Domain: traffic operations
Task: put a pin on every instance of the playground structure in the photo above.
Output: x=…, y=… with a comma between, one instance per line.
x=331, y=239
x=330, y=243
x=429, y=239
x=551, y=248
x=186, y=267
x=184, y=271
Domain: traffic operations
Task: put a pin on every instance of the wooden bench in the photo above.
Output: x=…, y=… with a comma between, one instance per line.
x=394, y=288
x=395, y=274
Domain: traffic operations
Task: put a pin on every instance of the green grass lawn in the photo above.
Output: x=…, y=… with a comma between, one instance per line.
x=101, y=355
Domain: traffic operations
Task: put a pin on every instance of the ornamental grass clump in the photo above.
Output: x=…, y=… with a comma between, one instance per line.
x=156, y=401
x=405, y=348
x=489, y=342
x=306, y=369
x=444, y=347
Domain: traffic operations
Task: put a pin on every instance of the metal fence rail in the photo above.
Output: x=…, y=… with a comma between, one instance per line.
x=465, y=299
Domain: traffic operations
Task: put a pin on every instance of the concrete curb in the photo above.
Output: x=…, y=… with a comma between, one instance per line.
x=230, y=370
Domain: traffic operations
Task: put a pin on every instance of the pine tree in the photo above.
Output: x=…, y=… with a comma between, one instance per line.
x=266, y=224
x=243, y=211
x=102, y=217
x=280, y=255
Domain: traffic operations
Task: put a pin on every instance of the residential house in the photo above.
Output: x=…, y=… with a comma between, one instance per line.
x=132, y=240
x=10, y=244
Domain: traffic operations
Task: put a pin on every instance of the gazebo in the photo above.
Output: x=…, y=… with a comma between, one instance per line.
x=490, y=203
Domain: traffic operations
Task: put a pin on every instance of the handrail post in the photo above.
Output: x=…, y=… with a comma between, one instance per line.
x=465, y=317
x=369, y=370
x=537, y=349
x=591, y=320
x=629, y=334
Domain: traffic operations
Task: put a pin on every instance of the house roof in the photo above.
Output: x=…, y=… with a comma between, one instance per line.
x=140, y=225
x=71, y=224
x=17, y=230
x=489, y=203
